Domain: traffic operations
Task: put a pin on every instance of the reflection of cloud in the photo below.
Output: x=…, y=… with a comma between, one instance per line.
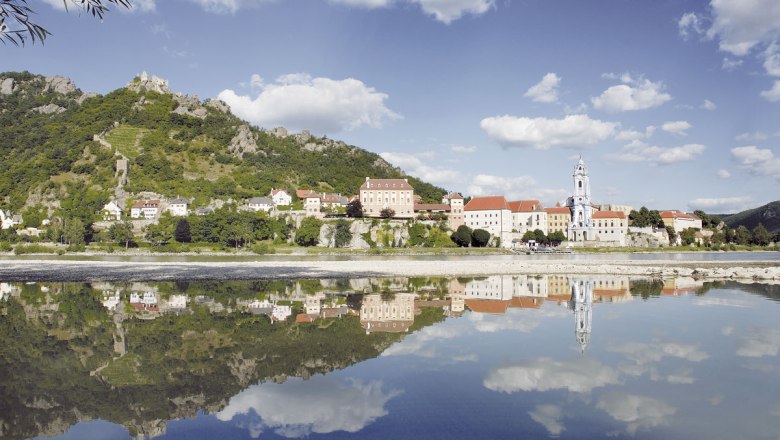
x=466, y=358
x=321, y=405
x=722, y=302
x=549, y=416
x=727, y=330
x=419, y=344
x=716, y=400
x=492, y=323
x=681, y=377
x=775, y=411
x=577, y=375
x=637, y=411
x=760, y=342
x=643, y=352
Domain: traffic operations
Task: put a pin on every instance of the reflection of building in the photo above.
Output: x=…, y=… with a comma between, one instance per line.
x=582, y=303
x=394, y=315
x=110, y=300
x=681, y=286
x=497, y=293
x=457, y=297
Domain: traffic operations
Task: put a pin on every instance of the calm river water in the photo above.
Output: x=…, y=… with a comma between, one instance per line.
x=499, y=357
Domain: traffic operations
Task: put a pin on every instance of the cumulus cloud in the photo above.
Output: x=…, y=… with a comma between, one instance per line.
x=760, y=342
x=676, y=127
x=447, y=11
x=576, y=375
x=463, y=149
x=638, y=151
x=422, y=343
x=573, y=131
x=730, y=64
x=420, y=166
x=633, y=94
x=772, y=59
x=723, y=205
x=741, y=25
x=708, y=105
x=755, y=136
x=550, y=417
x=485, y=323
x=320, y=405
x=546, y=90
x=368, y=4
x=757, y=161
x=637, y=412
x=634, y=135
x=772, y=94
x=514, y=188
x=690, y=24
x=323, y=105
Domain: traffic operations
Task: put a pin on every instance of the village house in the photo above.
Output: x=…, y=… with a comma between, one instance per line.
x=330, y=200
x=147, y=209
x=492, y=214
x=377, y=195
x=260, y=204
x=6, y=220
x=281, y=313
x=280, y=197
x=680, y=220
x=112, y=212
x=110, y=300
x=395, y=316
x=528, y=215
x=558, y=219
x=178, y=207
x=456, y=215
x=611, y=226
x=312, y=204
x=176, y=303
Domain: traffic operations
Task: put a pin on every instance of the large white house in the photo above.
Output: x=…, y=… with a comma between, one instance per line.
x=281, y=197
x=147, y=209
x=611, y=226
x=377, y=195
x=492, y=214
x=112, y=211
x=260, y=204
x=178, y=207
x=6, y=221
x=528, y=215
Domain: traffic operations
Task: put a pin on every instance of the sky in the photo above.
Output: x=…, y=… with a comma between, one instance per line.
x=672, y=104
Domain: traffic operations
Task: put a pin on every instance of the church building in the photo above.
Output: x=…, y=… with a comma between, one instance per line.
x=581, y=227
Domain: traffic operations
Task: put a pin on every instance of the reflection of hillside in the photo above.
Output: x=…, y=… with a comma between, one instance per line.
x=67, y=358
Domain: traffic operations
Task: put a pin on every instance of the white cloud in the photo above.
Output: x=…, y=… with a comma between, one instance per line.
x=730, y=64
x=447, y=11
x=514, y=188
x=764, y=341
x=724, y=174
x=223, y=6
x=422, y=343
x=368, y=4
x=574, y=131
x=755, y=136
x=757, y=161
x=463, y=149
x=676, y=127
x=633, y=94
x=576, y=375
x=256, y=81
x=689, y=24
x=415, y=165
x=743, y=24
x=638, y=151
x=772, y=94
x=143, y=6
x=724, y=205
x=708, y=105
x=323, y=105
x=550, y=417
x=485, y=323
x=545, y=90
x=636, y=411
x=320, y=405
x=772, y=59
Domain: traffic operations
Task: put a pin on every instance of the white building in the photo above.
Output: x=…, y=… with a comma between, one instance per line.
x=6, y=221
x=528, y=215
x=260, y=204
x=396, y=315
x=313, y=205
x=582, y=303
x=280, y=197
x=177, y=302
x=110, y=300
x=611, y=226
x=377, y=195
x=281, y=313
x=456, y=215
x=178, y=207
x=581, y=225
x=112, y=211
x=147, y=209
x=492, y=214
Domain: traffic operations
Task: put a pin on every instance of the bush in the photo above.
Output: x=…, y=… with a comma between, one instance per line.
x=263, y=248
x=32, y=249
x=309, y=232
x=76, y=248
x=5, y=246
x=480, y=238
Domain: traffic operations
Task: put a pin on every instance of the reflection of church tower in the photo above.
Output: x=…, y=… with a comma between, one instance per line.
x=581, y=226
x=582, y=303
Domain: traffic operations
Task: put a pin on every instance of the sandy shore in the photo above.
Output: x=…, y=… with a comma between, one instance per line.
x=49, y=270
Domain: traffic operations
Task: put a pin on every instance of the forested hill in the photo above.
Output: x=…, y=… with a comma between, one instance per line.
x=176, y=145
x=768, y=215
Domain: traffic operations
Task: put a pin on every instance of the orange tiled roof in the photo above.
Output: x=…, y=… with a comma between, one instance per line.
x=147, y=204
x=525, y=205
x=487, y=203
x=609, y=214
x=303, y=193
x=558, y=210
x=678, y=214
x=487, y=305
x=453, y=195
x=526, y=302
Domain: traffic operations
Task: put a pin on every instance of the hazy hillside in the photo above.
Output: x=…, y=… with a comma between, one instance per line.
x=175, y=145
x=768, y=215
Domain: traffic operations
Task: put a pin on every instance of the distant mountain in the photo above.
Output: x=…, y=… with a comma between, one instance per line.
x=65, y=149
x=768, y=215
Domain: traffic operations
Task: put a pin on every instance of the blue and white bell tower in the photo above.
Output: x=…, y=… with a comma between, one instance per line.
x=581, y=225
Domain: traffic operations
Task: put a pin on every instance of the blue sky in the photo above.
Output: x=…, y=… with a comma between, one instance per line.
x=673, y=104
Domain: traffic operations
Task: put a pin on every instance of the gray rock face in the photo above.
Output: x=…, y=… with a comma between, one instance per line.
x=243, y=142
x=59, y=84
x=7, y=86
x=218, y=105
x=85, y=96
x=49, y=109
x=190, y=106
x=149, y=83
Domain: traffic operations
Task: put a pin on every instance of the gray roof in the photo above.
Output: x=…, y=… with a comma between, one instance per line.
x=260, y=201
x=180, y=201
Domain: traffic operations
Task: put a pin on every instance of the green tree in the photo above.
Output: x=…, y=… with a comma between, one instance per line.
x=688, y=236
x=74, y=231
x=308, y=234
x=342, y=236
x=355, y=209
x=761, y=236
x=462, y=237
x=387, y=213
x=34, y=216
x=540, y=237
x=480, y=238
x=742, y=235
x=122, y=233
x=158, y=234
x=182, y=233
x=556, y=238
x=672, y=235
x=418, y=235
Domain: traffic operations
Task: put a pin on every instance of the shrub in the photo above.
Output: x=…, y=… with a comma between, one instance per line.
x=263, y=248
x=5, y=246
x=32, y=249
x=480, y=238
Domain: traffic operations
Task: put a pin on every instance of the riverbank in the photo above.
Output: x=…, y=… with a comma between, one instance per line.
x=77, y=270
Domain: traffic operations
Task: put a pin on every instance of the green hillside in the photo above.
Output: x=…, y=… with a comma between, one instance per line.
x=176, y=146
x=768, y=215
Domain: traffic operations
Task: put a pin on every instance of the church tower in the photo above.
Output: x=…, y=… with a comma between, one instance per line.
x=582, y=303
x=581, y=226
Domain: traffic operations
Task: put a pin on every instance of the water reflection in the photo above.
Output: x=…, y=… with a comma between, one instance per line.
x=388, y=358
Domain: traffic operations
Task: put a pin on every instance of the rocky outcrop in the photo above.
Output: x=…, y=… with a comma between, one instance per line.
x=49, y=109
x=218, y=104
x=144, y=82
x=59, y=84
x=190, y=106
x=243, y=142
x=7, y=86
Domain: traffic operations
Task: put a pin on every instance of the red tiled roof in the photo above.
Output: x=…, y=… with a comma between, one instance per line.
x=487, y=203
x=487, y=305
x=277, y=191
x=558, y=210
x=453, y=195
x=431, y=207
x=526, y=302
x=525, y=205
x=678, y=214
x=609, y=214
x=302, y=318
x=386, y=184
x=147, y=204
x=303, y=193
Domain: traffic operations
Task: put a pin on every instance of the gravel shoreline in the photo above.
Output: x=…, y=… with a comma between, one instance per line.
x=48, y=270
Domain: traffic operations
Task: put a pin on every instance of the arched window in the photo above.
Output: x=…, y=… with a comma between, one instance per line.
x=580, y=183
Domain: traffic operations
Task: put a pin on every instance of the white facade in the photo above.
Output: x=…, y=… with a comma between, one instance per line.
x=281, y=313
x=582, y=303
x=581, y=225
x=313, y=205
x=5, y=220
x=611, y=226
x=147, y=209
x=177, y=302
x=178, y=207
x=112, y=211
x=260, y=204
x=280, y=197
x=491, y=214
x=377, y=195
x=528, y=215
x=110, y=300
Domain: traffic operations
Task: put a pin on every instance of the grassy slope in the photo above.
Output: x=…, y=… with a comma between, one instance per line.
x=768, y=215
